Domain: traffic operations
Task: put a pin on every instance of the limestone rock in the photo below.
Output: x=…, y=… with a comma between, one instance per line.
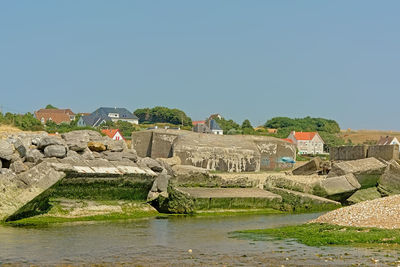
x=189, y=170
x=18, y=167
x=130, y=154
x=57, y=151
x=77, y=145
x=175, y=201
x=389, y=183
x=88, y=154
x=160, y=185
x=20, y=147
x=82, y=135
x=367, y=171
x=116, y=145
x=112, y=156
x=340, y=187
x=73, y=154
x=33, y=155
x=311, y=167
x=6, y=150
x=171, y=161
x=97, y=146
x=48, y=141
x=152, y=164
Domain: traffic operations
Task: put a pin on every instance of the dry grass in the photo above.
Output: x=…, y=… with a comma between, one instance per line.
x=9, y=129
x=366, y=136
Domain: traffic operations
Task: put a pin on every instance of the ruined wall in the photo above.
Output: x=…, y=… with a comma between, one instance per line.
x=386, y=152
x=348, y=152
x=141, y=142
x=233, y=153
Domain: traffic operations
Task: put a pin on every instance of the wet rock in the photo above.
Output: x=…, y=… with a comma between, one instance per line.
x=48, y=141
x=389, y=183
x=18, y=167
x=311, y=167
x=6, y=150
x=57, y=151
x=33, y=155
x=174, y=201
x=97, y=146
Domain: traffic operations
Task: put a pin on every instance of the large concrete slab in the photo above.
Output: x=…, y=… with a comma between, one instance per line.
x=387, y=152
x=201, y=192
x=348, y=152
x=18, y=190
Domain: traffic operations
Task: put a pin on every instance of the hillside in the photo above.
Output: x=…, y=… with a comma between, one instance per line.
x=365, y=136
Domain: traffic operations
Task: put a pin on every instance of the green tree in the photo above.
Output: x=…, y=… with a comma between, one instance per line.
x=49, y=106
x=163, y=115
x=227, y=125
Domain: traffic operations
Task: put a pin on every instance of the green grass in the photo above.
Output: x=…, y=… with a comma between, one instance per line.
x=39, y=221
x=325, y=235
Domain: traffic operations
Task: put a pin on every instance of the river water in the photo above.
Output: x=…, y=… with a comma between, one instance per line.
x=167, y=241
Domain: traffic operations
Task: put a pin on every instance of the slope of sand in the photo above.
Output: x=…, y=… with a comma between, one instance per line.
x=380, y=213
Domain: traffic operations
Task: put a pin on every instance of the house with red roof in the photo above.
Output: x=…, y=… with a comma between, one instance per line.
x=114, y=134
x=307, y=142
x=55, y=115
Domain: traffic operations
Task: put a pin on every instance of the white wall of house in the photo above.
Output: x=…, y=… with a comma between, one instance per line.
x=395, y=142
x=117, y=136
x=314, y=146
x=219, y=132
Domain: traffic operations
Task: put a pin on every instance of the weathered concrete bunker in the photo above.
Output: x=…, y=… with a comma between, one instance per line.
x=385, y=152
x=232, y=153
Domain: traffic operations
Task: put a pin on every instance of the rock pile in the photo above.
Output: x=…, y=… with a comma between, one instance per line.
x=381, y=213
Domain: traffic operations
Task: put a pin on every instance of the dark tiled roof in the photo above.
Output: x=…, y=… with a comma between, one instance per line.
x=385, y=140
x=101, y=114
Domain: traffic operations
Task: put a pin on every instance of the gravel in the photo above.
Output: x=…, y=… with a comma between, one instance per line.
x=380, y=213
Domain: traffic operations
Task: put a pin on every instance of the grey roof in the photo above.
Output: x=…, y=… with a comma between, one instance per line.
x=101, y=114
x=214, y=125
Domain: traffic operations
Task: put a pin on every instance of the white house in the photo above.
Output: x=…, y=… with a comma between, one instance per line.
x=114, y=134
x=388, y=140
x=307, y=142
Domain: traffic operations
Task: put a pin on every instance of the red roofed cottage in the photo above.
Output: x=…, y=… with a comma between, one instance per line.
x=307, y=142
x=114, y=134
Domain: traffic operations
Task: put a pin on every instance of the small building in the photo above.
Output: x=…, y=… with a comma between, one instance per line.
x=215, y=128
x=388, y=140
x=209, y=126
x=55, y=115
x=102, y=115
x=114, y=134
x=307, y=142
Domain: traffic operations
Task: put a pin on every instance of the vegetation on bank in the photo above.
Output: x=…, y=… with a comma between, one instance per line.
x=315, y=234
x=163, y=115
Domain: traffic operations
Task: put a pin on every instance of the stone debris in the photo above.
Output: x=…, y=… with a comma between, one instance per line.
x=311, y=167
x=380, y=213
x=340, y=187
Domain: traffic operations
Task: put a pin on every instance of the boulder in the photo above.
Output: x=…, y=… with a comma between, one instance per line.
x=311, y=167
x=89, y=155
x=97, y=146
x=20, y=147
x=18, y=167
x=389, y=183
x=130, y=154
x=33, y=155
x=57, y=151
x=188, y=170
x=151, y=163
x=6, y=150
x=73, y=154
x=341, y=187
x=160, y=185
x=171, y=161
x=82, y=135
x=173, y=201
x=48, y=141
x=364, y=195
x=116, y=145
x=76, y=145
x=367, y=171
x=112, y=156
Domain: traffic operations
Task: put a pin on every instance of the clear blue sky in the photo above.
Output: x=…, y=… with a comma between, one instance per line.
x=242, y=59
